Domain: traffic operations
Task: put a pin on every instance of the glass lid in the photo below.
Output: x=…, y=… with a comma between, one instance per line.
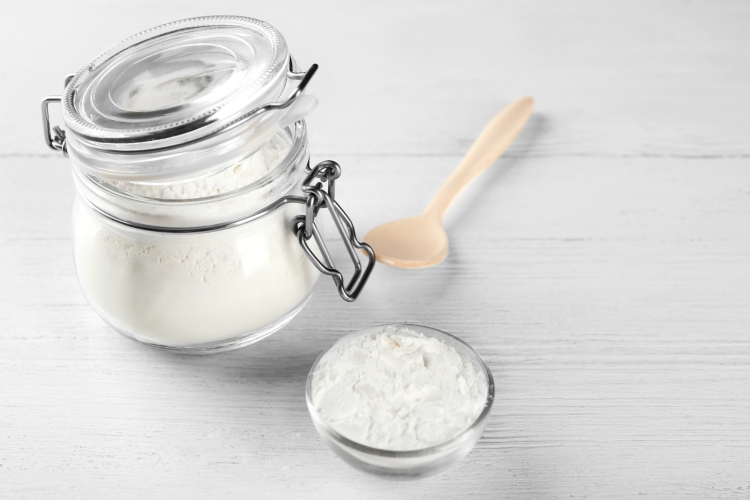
x=176, y=83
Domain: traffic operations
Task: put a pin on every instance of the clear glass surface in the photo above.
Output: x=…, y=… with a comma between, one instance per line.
x=169, y=129
x=183, y=78
x=412, y=464
x=195, y=292
x=180, y=100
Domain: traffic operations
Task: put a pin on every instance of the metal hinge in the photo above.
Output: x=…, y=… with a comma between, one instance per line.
x=304, y=228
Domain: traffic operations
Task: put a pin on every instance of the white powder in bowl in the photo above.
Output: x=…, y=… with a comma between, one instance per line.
x=397, y=389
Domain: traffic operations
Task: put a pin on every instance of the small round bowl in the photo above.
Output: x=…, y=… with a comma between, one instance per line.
x=412, y=464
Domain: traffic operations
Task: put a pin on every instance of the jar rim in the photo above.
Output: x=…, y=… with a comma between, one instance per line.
x=206, y=214
x=297, y=149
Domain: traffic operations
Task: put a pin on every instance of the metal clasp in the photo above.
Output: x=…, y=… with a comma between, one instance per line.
x=304, y=228
x=54, y=137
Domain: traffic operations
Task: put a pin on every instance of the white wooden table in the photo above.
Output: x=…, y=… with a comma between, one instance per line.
x=602, y=267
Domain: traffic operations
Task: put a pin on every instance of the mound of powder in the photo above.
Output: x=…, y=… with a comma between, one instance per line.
x=249, y=170
x=397, y=389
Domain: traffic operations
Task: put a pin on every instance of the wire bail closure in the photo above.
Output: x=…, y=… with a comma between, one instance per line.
x=304, y=228
x=54, y=137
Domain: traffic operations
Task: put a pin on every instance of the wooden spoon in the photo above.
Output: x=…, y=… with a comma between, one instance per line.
x=421, y=241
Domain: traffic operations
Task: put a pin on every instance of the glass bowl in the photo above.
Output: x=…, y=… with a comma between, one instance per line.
x=411, y=464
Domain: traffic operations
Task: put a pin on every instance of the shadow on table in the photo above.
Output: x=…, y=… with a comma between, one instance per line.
x=512, y=161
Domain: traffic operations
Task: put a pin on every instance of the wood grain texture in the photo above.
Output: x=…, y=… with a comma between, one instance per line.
x=602, y=268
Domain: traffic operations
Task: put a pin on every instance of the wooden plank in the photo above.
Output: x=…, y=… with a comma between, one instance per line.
x=601, y=267
x=608, y=296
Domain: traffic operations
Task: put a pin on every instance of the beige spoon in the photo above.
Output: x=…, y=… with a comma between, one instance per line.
x=421, y=241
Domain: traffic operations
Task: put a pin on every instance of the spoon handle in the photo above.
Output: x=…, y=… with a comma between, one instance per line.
x=491, y=143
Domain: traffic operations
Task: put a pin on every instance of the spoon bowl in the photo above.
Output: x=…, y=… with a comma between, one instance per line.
x=413, y=242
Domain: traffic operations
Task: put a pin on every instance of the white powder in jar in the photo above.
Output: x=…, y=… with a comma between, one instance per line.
x=251, y=169
x=184, y=290
x=397, y=389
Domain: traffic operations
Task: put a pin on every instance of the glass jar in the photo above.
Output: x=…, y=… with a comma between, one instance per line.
x=194, y=222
